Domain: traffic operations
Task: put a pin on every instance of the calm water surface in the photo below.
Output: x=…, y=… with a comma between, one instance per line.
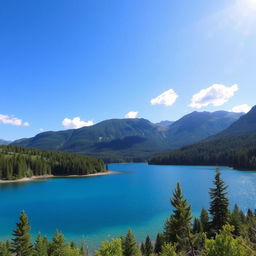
x=97, y=208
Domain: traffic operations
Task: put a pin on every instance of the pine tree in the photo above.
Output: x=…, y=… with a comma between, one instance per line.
x=177, y=227
x=148, y=247
x=204, y=219
x=168, y=250
x=40, y=248
x=21, y=243
x=249, y=214
x=130, y=247
x=58, y=246
x=197, y=226
x=142, y=248
x=112, y=248
x=251, y=232
x=159, y=243
x=4, y=249
x=235, y=221
x=72, y=244
x=219, y=204
x=83, y=250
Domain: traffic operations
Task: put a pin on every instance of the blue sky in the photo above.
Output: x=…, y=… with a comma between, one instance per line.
x=98, y=59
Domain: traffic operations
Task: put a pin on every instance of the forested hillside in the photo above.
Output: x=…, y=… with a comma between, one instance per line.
x=235, y=151
x=234, y=147
x=119, y=140
x=18, y=162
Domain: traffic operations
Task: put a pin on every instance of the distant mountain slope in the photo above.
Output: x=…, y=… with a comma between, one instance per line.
x=115, y=139
x=234, y=147
x=197, y=126
x=4, y=142
x=132, y=139
x=165, y=123
x=246, y=124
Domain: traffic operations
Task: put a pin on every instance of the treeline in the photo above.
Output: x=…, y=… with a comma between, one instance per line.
x=234, y=151
x=216, y=232
x=18, y=162
x=122, y=157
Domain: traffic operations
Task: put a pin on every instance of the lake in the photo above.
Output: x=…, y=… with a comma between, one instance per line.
x=96, y=208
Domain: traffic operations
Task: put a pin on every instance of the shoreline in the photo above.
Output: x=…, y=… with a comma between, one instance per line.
x=50, y=176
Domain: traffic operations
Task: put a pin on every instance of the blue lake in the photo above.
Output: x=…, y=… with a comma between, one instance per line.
x=97, y=208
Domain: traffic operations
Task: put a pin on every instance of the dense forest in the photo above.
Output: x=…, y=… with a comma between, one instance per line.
x=238, y=151
x=17, y=162
x=216, y=232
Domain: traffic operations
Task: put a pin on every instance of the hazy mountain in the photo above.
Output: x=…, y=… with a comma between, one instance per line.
x=4, y=142
x=132, y=139
x=197, y=126
x=165, y=123
x=246, y=124
x=234, y=147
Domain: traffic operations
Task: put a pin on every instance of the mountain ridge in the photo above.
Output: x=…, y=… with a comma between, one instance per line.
x=5, y=142
x=132, y=139
x=234, y=147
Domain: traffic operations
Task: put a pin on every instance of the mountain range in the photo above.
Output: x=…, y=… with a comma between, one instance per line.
x=4, y=142
x=132, y=139
x=234, y=147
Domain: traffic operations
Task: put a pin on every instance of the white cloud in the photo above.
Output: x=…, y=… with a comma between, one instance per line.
x=167, y=98
x=5, y=119
x=215, y=95
x=239, y=15
x=244, y=108
x=131, y=114
x=75, y=123
x=41, y=130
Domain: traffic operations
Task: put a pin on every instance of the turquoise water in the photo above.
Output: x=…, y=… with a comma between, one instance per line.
x=97, y=208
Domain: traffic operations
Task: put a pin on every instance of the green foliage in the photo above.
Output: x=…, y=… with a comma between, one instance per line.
x=168, y=250
x=112, y=248
x=21, y=243
x=58, y=246
x=148, y=247
x=130, y=247
x=219, y=204
x=5, y=249
x=204, y=219
x=236, y=221
x=250, y=234
x=159, y=243
x=237, y=151
x=177, y=227
x=41, y=246
x=18, y=162
x=197, y=226
x=142, y=248
x=226, y=245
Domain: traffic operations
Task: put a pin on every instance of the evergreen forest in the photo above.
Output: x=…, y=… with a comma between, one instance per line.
x=18, y=162
x=237, y=151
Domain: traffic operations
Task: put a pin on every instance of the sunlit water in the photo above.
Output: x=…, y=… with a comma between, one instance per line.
x=97, y=208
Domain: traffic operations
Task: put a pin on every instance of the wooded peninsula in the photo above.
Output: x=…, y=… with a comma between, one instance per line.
x=18, y=162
